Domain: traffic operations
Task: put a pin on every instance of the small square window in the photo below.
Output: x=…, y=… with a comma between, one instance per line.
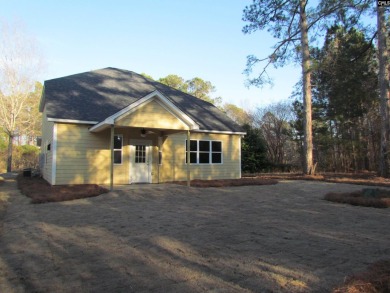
x=117, y=157
x=216, y=146
x=216, y=158
x=204, y=158
x=117, y=142
x=193, y=145
x=204, y=146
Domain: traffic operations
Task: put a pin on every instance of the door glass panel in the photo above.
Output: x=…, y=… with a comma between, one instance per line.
x=140, y=154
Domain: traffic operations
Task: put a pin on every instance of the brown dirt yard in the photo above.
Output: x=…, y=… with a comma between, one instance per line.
x=171, y=238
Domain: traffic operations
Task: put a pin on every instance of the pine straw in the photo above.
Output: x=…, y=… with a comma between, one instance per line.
x=363, y=178
x=41, y=192
x=357, y=198
x=228, y=182
x=375, y=280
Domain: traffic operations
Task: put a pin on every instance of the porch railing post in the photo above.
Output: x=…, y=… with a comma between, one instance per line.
x=112, y=158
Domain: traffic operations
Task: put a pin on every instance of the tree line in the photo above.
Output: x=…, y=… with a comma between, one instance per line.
x=296, y=24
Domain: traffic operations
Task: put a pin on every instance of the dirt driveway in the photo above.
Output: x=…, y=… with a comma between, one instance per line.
x=169, y=238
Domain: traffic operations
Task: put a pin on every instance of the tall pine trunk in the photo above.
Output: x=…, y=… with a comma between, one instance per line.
x=307, y=123
x=383, y=93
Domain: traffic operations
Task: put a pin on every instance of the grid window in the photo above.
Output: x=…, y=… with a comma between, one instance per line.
x=205, y=152
x=140, y=154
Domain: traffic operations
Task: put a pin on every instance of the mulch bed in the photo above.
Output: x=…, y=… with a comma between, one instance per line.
x=228, y=182
x=364, y=178
x=375, y=280
x=358, y=198
x=41, y=192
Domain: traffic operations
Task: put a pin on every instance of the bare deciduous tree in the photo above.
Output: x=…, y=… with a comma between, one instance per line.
x=274, y=122
x=20, y=64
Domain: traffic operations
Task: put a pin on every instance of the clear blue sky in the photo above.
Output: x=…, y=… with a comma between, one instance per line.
x=198, y=38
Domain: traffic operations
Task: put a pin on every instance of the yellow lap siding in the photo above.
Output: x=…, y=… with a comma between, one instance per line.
x=152, y=115
x=82, y=157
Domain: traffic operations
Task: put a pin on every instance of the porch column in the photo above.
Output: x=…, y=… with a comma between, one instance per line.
x=112, y=158
x=159, y=144
x=188, y=158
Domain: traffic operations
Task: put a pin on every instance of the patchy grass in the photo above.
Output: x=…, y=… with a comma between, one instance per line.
x=41, y=192
x=364, y=178
x=358, y=198
x=375, y=280
x=228, y=182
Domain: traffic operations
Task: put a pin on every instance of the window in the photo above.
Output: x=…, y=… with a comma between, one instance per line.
x=205, y=152
x=140, y=154
x=118, y=143
x=193, y=151
x=216, y=152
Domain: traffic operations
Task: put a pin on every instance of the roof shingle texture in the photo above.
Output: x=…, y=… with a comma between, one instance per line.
x=98, y=94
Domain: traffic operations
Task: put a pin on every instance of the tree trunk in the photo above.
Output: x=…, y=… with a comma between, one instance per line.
x=383, y=93
x=9, y=155
x=307, y=124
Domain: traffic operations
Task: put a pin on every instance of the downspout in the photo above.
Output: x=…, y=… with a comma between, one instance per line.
x=188, y=158
x=112, y=158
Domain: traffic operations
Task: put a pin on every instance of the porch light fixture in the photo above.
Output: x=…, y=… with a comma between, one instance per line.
x=145, y=132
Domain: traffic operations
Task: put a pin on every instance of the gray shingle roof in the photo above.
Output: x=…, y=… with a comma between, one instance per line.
x=98, y=94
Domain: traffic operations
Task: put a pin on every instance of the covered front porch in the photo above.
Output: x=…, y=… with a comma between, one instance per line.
x=138, y=137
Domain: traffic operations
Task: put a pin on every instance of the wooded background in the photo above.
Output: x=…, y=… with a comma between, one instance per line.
x=336, y=120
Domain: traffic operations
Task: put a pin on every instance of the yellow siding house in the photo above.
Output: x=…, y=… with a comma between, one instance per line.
x=113, y=126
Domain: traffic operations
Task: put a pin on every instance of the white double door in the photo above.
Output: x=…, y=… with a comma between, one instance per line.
x=140, y=161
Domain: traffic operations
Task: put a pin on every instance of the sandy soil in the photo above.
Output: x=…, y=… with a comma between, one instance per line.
x=171, y=238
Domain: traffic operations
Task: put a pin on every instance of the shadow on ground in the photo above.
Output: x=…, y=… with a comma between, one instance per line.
x=169, y=238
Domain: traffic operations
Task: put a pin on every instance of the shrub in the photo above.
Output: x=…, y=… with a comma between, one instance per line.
x=25, y=156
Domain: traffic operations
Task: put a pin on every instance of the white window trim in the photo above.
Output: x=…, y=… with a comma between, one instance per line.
x=121, y=149
x=197, y=152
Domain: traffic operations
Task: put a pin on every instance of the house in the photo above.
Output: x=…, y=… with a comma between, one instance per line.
x=113, y=126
